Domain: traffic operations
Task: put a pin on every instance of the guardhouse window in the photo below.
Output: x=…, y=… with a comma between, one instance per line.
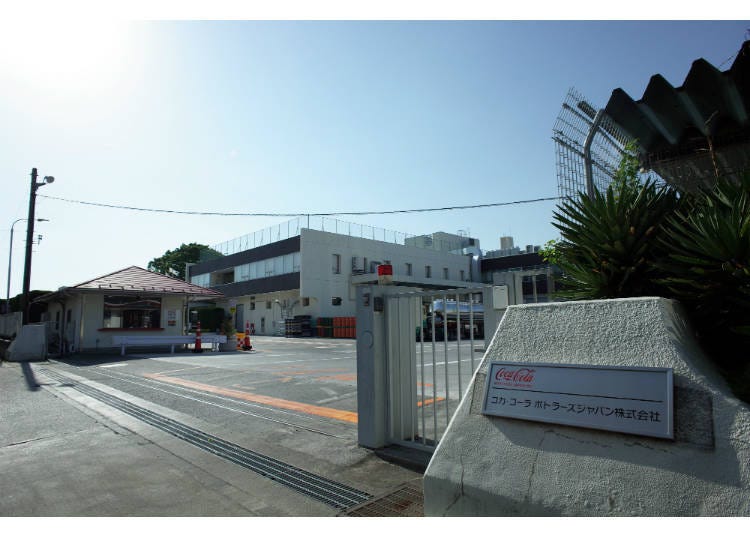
x=132, y=312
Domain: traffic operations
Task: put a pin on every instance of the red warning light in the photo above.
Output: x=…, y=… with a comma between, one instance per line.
x=385, y=269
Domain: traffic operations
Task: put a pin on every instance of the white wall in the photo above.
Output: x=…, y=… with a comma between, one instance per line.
x=320, y=284
x=275, y=315
x=318, y=280
x=494, y=466
x=85, y=330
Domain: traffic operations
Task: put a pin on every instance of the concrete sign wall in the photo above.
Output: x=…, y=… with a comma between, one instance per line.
x=489, y=465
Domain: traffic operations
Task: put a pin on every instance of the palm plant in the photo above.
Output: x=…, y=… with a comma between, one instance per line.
x=608, y=246
x=708, y=266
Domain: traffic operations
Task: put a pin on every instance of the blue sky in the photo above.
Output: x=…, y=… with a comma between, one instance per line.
x=302, y=117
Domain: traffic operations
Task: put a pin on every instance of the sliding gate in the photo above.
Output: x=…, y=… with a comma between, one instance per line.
x=421, y=350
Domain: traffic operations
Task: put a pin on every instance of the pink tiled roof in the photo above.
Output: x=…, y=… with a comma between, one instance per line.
x=135, y=279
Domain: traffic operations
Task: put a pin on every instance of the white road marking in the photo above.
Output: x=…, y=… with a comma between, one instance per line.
x=114, y=365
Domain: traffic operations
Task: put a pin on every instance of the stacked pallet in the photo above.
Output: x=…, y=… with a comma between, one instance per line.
x=337, y=327
x=299, y=326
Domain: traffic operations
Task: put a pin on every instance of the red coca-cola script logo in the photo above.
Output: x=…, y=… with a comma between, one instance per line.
x=515, y=375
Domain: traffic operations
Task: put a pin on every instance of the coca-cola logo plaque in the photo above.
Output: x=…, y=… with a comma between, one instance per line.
x=634, y=400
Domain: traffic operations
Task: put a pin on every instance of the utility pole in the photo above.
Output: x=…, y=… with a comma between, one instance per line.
x=29, y=241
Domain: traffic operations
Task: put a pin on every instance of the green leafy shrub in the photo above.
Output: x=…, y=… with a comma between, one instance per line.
x=210, y=318
x=608, y=246
x=708, y=264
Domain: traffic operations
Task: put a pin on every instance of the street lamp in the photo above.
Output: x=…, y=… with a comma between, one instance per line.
x=10, y=258
x=29, y=238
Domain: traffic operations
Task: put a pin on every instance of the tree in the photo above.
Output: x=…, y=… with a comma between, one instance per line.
x=172, y=263
x=35, y=309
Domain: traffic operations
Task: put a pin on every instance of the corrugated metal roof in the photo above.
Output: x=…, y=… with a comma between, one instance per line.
x=136, y=279
x=674, y=125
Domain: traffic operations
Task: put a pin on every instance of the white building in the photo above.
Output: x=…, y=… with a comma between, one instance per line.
x=131, y=301
x=293, y=269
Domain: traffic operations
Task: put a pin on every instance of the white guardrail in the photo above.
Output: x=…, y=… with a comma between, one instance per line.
x=165, y=340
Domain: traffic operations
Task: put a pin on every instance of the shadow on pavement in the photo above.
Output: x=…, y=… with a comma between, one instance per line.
x=31, y=382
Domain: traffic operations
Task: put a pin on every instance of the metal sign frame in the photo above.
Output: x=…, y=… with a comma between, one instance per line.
x=631, y=400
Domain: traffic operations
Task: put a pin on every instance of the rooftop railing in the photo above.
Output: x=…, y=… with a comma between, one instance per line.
x=293, y=227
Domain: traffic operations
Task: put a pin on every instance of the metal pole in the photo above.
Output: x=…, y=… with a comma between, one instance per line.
x=587, y=153
x=29, y=240
x=10, y=258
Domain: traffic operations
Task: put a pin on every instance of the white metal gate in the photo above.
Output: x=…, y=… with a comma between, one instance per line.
x=434, y=342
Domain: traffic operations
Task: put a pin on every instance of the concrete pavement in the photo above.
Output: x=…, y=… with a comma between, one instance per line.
x=63, y=453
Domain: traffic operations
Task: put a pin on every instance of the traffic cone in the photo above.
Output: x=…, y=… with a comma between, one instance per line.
x=246, y=345
x=198, y=348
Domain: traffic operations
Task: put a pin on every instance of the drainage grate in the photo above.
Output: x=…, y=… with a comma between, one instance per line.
x=319, y=488
x=406, y=501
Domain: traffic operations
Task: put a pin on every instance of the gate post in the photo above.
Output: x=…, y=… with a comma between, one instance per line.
x=495, y=300
x=372, y=386
x=401, y=323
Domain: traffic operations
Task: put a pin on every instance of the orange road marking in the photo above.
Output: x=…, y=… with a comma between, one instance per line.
x=429, y=401
x=331, y=413
x=339, y=377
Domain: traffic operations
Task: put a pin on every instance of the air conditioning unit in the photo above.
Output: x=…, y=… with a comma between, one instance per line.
x=357, y=268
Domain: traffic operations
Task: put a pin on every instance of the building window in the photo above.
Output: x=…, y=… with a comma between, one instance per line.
x=535, y=288
x=336, y=263
x=336, y=301
x=462, y=275
x=445, y=273
x=203, y=280
x=132, y=312
x=408, y=268
x=68, y=316
x=252, y=303
x=542, y=290
x=305, y=302
x=374, y=267
x=428, y=271
x=268, y=304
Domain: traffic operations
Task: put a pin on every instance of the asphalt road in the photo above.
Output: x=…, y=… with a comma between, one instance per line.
x=308, y=384
x=109, y=435
x=190, y=434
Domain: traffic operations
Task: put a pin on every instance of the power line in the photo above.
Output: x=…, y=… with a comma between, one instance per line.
x=294, y=214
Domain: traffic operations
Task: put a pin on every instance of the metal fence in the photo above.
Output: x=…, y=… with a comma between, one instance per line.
x=434, y=340
x=293, y=227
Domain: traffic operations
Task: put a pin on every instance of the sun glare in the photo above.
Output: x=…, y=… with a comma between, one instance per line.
x=70, y=55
